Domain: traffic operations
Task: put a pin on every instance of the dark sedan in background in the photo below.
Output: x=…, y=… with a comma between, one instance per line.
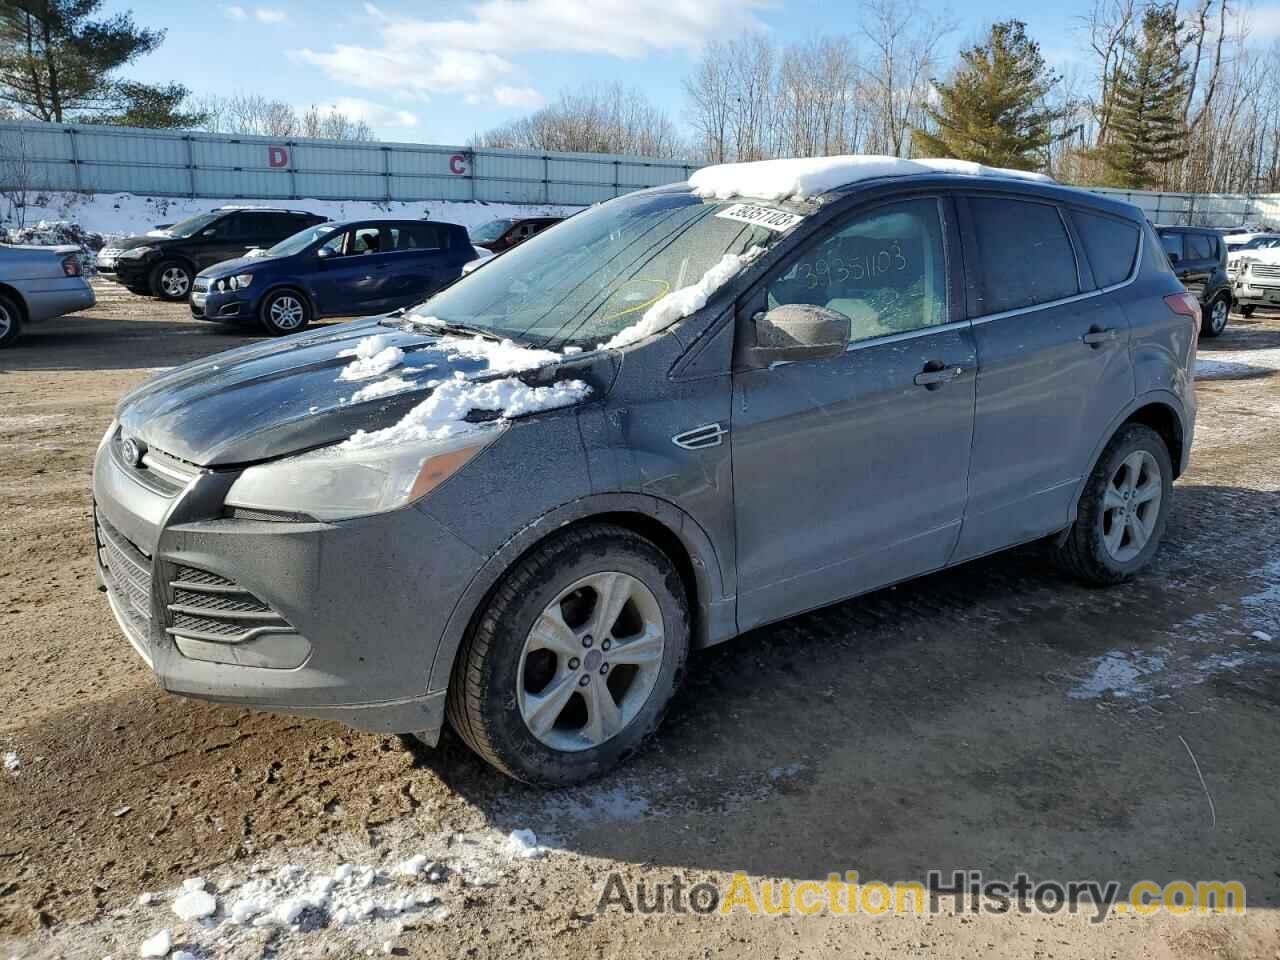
x=499, y=235
x=355, y=268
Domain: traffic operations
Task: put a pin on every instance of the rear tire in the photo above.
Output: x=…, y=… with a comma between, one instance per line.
x=171, y=280
x=1215, y=321
x=1123, y=509
x=10, y=320
x=284, y=312
x=552, y=686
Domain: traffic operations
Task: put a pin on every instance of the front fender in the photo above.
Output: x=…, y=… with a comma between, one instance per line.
x=717, y=619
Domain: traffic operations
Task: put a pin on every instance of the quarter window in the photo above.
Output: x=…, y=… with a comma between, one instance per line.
x=1024, y=255
x=885, y=270
x=1172, y=243
x=418, y=236
x=1110, y=244
x=1199, y=246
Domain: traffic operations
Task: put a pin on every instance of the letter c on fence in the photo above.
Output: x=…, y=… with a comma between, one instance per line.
x=277, y=157
x=458, y=165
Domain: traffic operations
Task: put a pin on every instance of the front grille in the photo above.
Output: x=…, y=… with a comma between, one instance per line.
x=1266, y=271
x=128, y=575
x=206, y=606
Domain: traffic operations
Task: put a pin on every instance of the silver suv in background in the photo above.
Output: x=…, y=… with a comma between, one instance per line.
x=37, y=283
x=675, y=417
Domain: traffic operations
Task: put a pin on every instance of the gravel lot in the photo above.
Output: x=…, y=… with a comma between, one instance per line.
x=995, y=718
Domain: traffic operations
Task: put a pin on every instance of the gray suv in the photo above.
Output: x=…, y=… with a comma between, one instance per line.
x=679, y=415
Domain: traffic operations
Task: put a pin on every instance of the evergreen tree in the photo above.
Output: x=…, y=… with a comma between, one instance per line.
x=57, y=63
x=993, y=109
x=1147, y=125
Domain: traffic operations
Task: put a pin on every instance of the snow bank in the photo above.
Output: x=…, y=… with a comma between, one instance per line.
x=1235, y=364
x=800, y=179
x=373, y=358
x=127, y=214
x=683, y=302
x=442, y=415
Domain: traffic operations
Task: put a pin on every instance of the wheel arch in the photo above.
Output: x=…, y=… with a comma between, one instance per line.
x=1160, y=410
x=13, y=294
x=668, y=527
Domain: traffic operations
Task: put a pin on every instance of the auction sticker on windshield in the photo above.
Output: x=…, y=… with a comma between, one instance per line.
x=770, y=219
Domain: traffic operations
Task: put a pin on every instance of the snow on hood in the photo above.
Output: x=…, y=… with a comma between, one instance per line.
x=160, y=234
x=804, y=178
x=373, y=358
x=684, y=302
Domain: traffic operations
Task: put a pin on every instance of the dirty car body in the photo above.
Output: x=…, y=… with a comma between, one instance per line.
x=961, y=412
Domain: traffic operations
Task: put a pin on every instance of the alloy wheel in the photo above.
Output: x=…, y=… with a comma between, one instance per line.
x=590, y=661
x=286, y=312
x=6, y=321
x=1131, y=506
x=175, y=282
x=1218, y=315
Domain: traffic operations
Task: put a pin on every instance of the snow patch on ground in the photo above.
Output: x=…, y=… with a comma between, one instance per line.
x=442, y=415
x=799, y=179
x=683, y=302
x=524, y=844
x=1235, y=364
x=12, y=763
x=156, y=945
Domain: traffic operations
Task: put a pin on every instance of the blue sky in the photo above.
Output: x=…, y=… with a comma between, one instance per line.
x=438, y=71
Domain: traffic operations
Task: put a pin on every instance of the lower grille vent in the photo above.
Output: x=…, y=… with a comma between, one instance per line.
x=206, y=606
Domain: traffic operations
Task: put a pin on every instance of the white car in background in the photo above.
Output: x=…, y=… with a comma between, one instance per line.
x=1241, y=244
x=1256, y=279
x=37, y=283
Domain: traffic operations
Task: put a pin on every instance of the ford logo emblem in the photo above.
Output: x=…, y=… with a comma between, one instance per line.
x=132, y=451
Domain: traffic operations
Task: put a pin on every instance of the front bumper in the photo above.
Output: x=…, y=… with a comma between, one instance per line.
x=207, y=304
x=1254, y=294
x=130, y=272
x=362, y=604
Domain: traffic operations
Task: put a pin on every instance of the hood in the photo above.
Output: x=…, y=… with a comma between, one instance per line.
x=228, y=267
x=128, y=243
x=271, y=399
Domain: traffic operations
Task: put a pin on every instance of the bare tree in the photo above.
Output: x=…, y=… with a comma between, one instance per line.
x=252, y=114
x=904, y=41
x=708, y=93
x=17, y=175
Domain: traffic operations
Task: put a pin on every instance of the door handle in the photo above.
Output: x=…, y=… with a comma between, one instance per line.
x=935, y=374
x=1096, y=337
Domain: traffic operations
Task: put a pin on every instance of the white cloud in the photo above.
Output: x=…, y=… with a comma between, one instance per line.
x=374, y=114
x=236, y=13
x=270, y=15
x=473, y=55
x=524, y=97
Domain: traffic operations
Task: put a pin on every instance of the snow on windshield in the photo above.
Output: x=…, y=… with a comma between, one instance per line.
x=799, y=179
x=684, y=302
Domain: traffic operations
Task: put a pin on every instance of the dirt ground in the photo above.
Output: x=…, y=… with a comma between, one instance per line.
x=996, y=718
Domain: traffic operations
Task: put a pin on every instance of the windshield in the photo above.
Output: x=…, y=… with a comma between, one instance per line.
x=193, y=225
x=489, y=232
x=301, y=240
x=597, y=273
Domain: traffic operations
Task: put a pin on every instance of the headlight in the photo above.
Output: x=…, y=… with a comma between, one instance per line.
x=338, y=483
x=135, y=253
x=240, y=281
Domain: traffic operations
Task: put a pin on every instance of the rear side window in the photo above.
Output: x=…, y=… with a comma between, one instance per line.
x=1024, y=255
x=1200, y=246
x=419, y=236
x=1172, y=243
x=1110, y=244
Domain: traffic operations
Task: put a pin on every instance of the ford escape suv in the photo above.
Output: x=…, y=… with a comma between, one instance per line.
x=680, y=415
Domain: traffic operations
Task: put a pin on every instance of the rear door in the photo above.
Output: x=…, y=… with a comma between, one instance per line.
x=1199, y=261
x=421, y=263
x=224, y=239
x=1053, y=363
x=850, y=473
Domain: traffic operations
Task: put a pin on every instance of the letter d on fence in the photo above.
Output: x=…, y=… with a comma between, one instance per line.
x=277, y=157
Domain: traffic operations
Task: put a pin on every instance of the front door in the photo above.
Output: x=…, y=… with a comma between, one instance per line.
x=850, y=473
x=353, y=276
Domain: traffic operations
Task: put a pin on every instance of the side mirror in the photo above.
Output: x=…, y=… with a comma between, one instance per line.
x=324, y=253
x=211, y=232
x=797, y=331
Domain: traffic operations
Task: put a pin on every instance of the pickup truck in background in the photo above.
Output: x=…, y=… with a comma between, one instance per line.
x=37, y=283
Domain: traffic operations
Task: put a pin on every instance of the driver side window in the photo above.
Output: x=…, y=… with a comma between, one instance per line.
x=884, y=269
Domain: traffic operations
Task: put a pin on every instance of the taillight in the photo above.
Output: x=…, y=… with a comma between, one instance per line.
x=1184, y=304
x=71, y=267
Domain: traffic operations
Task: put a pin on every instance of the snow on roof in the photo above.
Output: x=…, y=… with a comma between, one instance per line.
x=802, y=178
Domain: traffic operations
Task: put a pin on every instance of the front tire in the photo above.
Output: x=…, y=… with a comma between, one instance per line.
x=1246, y=311
x=10, y=321
x=171, y=280
x=1216, y=319
x=571, y=667
x=284, y=312
x=1123, y=509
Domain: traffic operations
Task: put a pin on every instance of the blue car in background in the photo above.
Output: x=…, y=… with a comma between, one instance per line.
x=354, y=268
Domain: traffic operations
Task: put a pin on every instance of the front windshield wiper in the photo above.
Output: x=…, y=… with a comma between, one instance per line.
x=458, y=329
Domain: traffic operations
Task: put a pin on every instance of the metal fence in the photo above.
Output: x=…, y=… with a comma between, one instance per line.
x=98, y=159
x=174, y=163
